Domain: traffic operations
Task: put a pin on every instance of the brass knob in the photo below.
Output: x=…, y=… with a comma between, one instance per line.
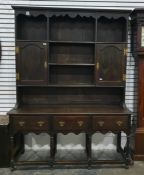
x=45, y=64
x=40, y=123
x=21, y=123
x=119, y=123
x=97, y=66
x=101, y=123
x=61, y=123
x=80, y=123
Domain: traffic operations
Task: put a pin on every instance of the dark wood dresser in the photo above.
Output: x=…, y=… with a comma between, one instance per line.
x=71, y=71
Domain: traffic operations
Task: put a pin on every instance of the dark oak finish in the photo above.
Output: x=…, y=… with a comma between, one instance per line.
x=71, y=54
x=66, y=28
x=29, y=123
x=31, y=28
x=111, y=123
x=111, y=64
x=31, y=63
x=69, y=123
x=70, y=78
x=111, y=30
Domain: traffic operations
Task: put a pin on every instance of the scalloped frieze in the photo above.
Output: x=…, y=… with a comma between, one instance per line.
x=31, y=13
x=110, y=131
x=72, y=14
x=25, y=132
x=70, y=132
x=113, y=15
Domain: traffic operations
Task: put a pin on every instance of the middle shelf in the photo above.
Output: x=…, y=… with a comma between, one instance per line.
x=71, y=53
x=71, y=74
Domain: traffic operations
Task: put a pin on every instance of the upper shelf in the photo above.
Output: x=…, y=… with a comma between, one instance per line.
x=31, y=28
x=72, y=29
x=67, y=29
x=111, y=30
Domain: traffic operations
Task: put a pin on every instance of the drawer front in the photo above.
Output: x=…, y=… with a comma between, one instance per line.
x=110, y=123
x=30, y=123
x=68, y=123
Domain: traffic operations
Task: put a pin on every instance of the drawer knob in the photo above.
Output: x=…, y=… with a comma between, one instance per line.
x=61, y=123
x=101, y=123
x=119, y=123
x=21, y=123
x=40, y=123
x=80, y=123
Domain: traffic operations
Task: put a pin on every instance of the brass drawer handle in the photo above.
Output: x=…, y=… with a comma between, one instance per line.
x=40, y=123
x=21, y=123
x=61, y=123
x=45, y=65
x=101, y=123
x=119, y=123
x=80, y=123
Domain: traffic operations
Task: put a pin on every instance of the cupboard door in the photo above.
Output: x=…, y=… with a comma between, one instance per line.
x=110, y=66
x=31, y=63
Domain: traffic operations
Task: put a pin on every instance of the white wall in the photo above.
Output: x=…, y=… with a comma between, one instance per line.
x=7, y=62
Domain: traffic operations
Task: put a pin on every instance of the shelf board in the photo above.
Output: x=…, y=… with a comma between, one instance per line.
x=71, y=42
x=82, y=85
x=110, y=42
x=59, y=85
x=22, y=40
x=70, y=64
x=71, y=85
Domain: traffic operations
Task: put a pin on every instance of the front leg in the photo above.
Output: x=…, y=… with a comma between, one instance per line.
x=128, y=152
x=52, y=150
x=88, y=147
x=119, y=142
x=12, y=154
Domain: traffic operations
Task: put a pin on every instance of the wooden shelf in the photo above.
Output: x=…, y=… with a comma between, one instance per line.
x=28, y=40
x=31, y=28
x=70, y=64
x=71, y=42
x=70, y=85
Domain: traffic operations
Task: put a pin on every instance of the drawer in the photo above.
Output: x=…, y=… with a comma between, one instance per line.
x=110, y=123
x=68, y=123
x=30, y=123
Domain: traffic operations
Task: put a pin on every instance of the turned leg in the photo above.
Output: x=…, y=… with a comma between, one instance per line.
x=127, y=152
x=86, y=143
x=119, y=142
x=52, y=150
x=55, y=143
x=12, y=162
x=88, y=149
x=22, y=147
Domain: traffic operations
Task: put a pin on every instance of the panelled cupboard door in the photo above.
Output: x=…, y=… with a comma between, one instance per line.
x=110, y=66
x=31, y=63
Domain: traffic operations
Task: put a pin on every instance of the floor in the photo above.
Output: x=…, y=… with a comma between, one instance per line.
x=136, y=169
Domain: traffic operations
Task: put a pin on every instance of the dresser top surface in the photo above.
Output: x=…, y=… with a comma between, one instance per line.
x=70, y=109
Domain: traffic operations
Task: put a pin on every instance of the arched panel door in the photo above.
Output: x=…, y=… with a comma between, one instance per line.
x=31, y=63
x=110, y=64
